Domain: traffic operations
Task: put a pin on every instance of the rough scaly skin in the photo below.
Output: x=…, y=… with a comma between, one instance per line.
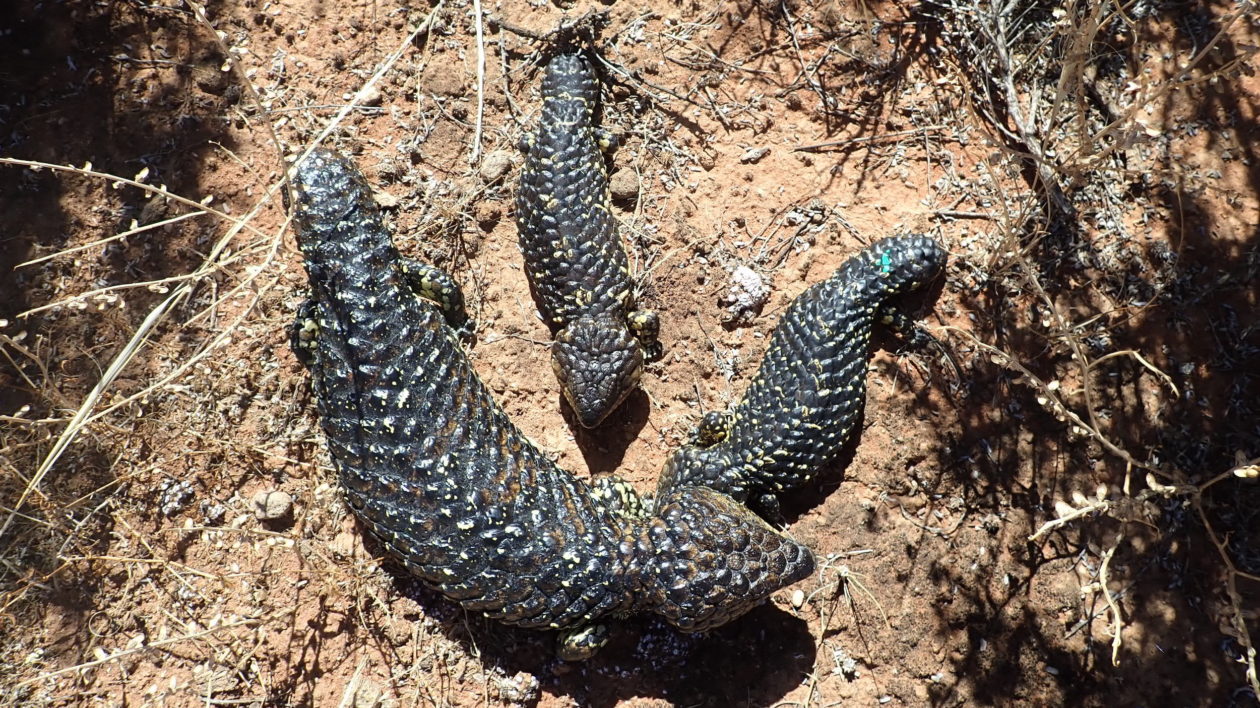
x=805, y=400
x=573, y=255
x=448, y=484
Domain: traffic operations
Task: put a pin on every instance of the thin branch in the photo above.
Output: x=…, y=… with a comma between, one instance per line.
x=481, y=83
x=819, y=147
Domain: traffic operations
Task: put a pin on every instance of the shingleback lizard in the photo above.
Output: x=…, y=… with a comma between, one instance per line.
x=572, y=252
x=805, y=400
x=432, y=465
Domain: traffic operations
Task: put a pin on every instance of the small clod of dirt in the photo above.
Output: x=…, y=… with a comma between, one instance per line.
x=624, y=185
x=495, y=165
x=272, y=505
x=747, y=293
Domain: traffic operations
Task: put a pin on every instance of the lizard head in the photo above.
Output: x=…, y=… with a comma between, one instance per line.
x=598, y=362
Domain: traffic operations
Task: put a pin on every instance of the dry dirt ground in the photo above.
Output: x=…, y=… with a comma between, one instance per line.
x=1093, y=169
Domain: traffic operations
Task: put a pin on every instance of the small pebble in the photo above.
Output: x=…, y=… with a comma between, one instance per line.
x=271, y=505
x=488, y=215
x=370, y=97
x=495, y=165
x=384, y=200
x=624, y=184
x=753, y=155
x=798, y=598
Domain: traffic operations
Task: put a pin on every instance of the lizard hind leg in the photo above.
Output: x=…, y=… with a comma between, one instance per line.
x=714, y=427
x=581, y=643
x=646, y=327
x=436, y=285
x=302, y=334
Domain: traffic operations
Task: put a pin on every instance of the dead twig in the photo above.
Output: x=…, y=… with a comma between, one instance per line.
x=481, y=83
x=820, y=147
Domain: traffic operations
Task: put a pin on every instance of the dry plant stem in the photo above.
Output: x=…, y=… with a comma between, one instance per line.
x=1076, y=58
x=995, y=29
x=809, y=75
x=386, y=65
x=1141, y=360
x=512, y=109
x=167, y=565
x=822, y=637
x=1236, y=619
x=819, y=147
x=115, y=237
x=503, y=25
x=12, y=343
x=481, y=83
x=235, y=66
x=1085, y=371
x=87, y=171
x=1068, y=336
x=236, y=226
x=999, y=39
x=160, y=644
x=77, y=423
x=1116, y=619
x=1243, y=470
x=1245, y=8
x=641, y=84
x=84, y=416
x=1008, y=361
x=843, y=578
x=1098, y=506
x=348, y=695
x=851, y=578
x=983, y=76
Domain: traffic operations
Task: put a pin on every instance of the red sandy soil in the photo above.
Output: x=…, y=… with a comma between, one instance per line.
x=136, y=573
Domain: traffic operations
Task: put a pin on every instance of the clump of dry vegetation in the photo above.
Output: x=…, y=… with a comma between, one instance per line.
x=1083, y=101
